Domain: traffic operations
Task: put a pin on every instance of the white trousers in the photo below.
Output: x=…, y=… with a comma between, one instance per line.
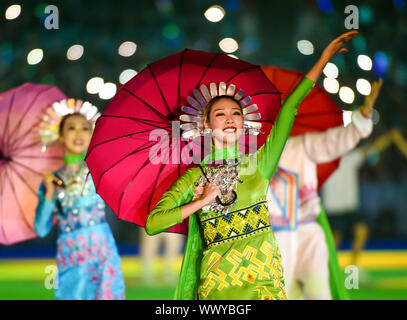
x=304, y=255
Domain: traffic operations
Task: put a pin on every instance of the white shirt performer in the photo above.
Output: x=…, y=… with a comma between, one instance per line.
x=340, y=193
x=300, y=225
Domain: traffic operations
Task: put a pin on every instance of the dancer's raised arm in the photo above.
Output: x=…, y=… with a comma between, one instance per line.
x=335, y=47
x=269, y=154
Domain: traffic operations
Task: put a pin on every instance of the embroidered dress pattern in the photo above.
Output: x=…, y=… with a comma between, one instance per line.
x=248, y=267
x=235, y=225
x=89, y=266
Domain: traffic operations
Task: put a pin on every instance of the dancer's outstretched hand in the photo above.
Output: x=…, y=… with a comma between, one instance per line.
x=330, y=51
x=370, y=100
x=336, y=46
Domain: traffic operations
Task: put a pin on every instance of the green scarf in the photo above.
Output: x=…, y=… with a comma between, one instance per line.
x=74, y=158
x=336, y=278
x=221, y=154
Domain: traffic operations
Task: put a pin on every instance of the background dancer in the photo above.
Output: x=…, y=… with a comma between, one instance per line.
x=302, y=233
x=87, y=257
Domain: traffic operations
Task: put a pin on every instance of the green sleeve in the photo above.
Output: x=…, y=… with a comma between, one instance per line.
x=269, y=153
x=167, y=212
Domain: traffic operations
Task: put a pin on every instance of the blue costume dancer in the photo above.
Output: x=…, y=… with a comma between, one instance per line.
x=87, y=257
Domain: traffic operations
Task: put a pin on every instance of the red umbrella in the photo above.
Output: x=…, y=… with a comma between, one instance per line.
x=22, y=162
x=317, y=112
x=118, y=155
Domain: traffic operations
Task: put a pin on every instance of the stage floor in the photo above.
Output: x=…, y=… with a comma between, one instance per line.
x=382, y=275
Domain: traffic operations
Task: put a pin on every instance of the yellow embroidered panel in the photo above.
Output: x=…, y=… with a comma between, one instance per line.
x=235, y=225
x=238, y=268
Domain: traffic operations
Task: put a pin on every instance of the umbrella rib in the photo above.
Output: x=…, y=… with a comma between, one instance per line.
x=2, y=185
x=28, y=168
x=42, y=157
x=271, y=80
x=190, y=149
x=2, y=178
x=23, y=180
x=131, y=181
x=114, y=139
x=243, y=70
x=27, y=146
x=3, y=139
x=150, y=107
x=27, y=109
x=264, y=92
x=188, y=145
x=154, y=187
x=19, y=205
x=200, y=145
x=179, y=79
x=18, y=140
x=207, y=68
x=159, y=89
x=141, y=148
x=144, y=121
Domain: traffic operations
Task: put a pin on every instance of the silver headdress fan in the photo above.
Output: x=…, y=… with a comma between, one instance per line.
x=193, y=117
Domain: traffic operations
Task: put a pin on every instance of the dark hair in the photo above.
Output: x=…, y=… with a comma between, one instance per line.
x=66, y=117
x=210, y=104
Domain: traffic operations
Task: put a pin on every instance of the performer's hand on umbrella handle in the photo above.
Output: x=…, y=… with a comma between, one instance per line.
x=49, y=182
x=210, y=193
x=370, y=100
x=329, y=52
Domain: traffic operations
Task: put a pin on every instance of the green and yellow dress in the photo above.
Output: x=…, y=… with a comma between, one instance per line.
x=231, y=252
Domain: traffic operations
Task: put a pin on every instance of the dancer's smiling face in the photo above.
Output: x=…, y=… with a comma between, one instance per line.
x=224, y=117
x=75, y=134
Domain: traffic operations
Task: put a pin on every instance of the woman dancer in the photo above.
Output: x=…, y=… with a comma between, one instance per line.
x=87, y=257
x=238, y=257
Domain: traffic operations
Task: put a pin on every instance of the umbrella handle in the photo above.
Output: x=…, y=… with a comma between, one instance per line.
x=58, y=181
x=229, y=202
x=217, y=198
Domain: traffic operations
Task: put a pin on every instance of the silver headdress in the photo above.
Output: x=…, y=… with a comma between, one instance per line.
x=49, y=126
x=193, y=118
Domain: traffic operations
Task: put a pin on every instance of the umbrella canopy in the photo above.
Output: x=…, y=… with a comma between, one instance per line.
x=317, y=112
x=22, y=162
x=119, y=155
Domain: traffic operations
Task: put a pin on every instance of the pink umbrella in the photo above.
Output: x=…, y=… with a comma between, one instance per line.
x=119, y=153
x=22, y=162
